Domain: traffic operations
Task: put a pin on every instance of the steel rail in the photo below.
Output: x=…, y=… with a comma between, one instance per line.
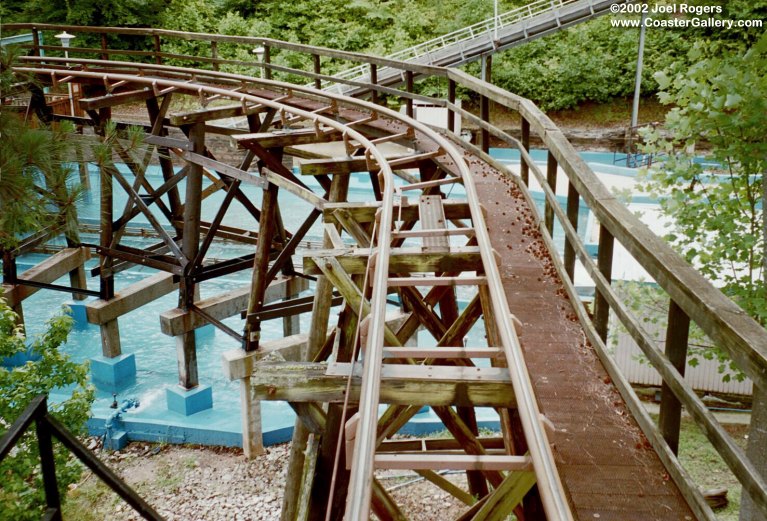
x=358, y=505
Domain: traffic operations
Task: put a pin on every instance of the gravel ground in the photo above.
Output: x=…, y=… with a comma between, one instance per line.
x=185, y=483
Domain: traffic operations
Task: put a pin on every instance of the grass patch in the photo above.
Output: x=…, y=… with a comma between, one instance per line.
x=707, y=468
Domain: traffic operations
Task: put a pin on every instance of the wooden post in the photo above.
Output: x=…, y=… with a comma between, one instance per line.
x=47, y=463
x=267, y=61
x=10, y=276
x=214, y=53
x=323, y=293
x=573, y=209
x=186, y=349
x=104, y=54
x=757, y=448
x=291, y=324
x=484, y=107
x=605, y=264
x=106, y=281
x=551, y=179
x=250, y=414
x=677, y=334
x=409, y=88
x=317, y=70
x=157, y=50
x=374, y=81
x=524, y=169
x=35, y=42
x=260, y=267
x=451, y=116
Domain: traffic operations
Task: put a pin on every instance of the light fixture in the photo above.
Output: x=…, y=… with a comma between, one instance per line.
x=260, y=52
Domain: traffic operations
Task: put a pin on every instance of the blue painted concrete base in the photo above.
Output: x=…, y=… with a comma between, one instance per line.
x=113, y=374
x=189, y=402
x=19, y=359
x=78, y=313
x=117, y=440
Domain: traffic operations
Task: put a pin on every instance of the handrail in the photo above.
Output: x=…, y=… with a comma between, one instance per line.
x=720, y=318
x=47, y=427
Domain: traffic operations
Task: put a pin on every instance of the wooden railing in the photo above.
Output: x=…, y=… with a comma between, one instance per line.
x=692, y=298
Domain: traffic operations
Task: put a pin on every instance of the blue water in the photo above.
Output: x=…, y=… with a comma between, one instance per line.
x=156, y=353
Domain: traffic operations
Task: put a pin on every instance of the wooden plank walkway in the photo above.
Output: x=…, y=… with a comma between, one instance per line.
x=607, y=466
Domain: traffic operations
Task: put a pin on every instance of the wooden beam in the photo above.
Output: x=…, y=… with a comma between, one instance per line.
x=403, y=260
x=176, y=321
x=309, y=382
x=487, y=462
x=111, y=100
x=349, y=165
x=46, y=272
x=130, y=298
x=229, y=111
x=288, y=137
x=241, y=364
x=365, y=212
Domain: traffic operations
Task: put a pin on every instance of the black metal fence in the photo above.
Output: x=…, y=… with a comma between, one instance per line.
x=47, y=428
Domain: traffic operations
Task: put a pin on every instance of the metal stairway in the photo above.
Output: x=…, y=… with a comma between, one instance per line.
x=514, y=27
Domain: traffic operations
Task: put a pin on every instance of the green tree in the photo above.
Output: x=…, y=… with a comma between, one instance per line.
x=717, y=207
x=37, y=188
x=21, y=495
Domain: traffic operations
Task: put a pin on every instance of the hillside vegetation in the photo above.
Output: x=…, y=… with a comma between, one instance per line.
x=589, y=62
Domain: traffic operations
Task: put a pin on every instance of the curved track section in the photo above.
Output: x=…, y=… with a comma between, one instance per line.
x=316, y=116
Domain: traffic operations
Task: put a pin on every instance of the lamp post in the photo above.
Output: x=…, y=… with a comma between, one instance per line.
x=495, y=14
x=260, y=52
x=65, y=39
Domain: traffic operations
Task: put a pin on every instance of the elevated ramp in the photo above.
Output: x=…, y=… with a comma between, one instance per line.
x=509, y=29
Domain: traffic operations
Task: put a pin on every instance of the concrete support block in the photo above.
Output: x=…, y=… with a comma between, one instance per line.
x=79, y=314
x=113, y=374
x=19, y=359
x=188, y=402
x=116, y=440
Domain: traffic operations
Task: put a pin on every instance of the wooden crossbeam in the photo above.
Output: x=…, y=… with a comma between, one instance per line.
x=111, y=100
x=287, y=138
x=395, y=282
x=46, y=272
x=442, y=352
x=177, y=321
x=309, y=382
x=214, y=113
x=349, y=165
x=403, y=260
x=365, y=212
x=130, y=298
x=422, y=461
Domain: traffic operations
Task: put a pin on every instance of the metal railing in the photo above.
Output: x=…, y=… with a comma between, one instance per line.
x=47, y=428
x=485, y=28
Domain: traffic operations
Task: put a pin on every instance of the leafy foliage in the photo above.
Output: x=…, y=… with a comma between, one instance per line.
x=36, y=185
x=718, y=207
x=21, y=495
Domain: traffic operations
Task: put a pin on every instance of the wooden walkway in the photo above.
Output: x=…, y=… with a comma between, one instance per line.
x=607, y=466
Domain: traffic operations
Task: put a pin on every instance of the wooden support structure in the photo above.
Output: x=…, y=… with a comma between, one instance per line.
x=404, y=241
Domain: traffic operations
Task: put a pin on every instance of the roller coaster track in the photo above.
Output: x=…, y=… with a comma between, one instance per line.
x=592, y=452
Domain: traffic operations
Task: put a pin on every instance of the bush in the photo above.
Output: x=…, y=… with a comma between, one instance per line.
x=21, y=495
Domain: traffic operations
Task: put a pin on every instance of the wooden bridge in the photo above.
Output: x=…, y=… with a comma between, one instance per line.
x=575, y=442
